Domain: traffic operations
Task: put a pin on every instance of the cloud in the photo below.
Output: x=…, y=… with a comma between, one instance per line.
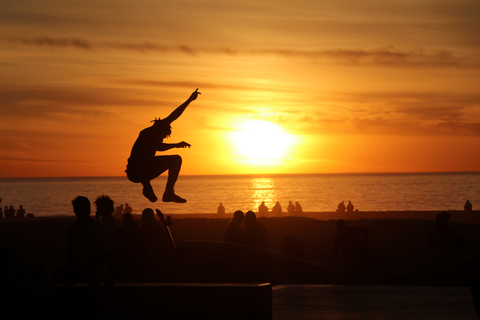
x=201, y=85
x=389, y=56
x=42, y=160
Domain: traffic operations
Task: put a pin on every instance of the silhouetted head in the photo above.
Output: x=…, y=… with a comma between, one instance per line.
x=250, y=217
x=163, y=128
x=105, y=205
x=341, y=225
x=238, y=217
x=127, y=217
x=148, y=215
x=81, y=207
x=21, y=207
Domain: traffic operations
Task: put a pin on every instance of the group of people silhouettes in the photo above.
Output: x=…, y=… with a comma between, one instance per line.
x=121, y=209
x=264, y=211
x=252, y=233
x=10, y=213
x=97, y=251
x=342, y=209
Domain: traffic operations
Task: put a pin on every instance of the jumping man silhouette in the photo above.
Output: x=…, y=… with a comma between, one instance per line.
x=144, y=166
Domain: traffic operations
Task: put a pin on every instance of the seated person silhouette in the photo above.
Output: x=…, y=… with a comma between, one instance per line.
x=127, y=209
x=118, y=213
x=221, y=209
x=21, y=212
x=298, y=209
x=291, y=209
x=134, y=254
x=349, y=207
x=468, y=206
x=87, y=248
x=341, y=207
x=262, y=210
x=441, y=234
x=277, y=210
x=143, y=166
x=292, y=245
x=234, y=232
x=153, y=233
x=354, y=247
x=9, y=212
x=255, y=232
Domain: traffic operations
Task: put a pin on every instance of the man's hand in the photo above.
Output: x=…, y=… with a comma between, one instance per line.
x=183, y=144
x=194, y=95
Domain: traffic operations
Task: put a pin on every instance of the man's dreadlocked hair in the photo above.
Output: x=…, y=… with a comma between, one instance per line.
x=163, y=126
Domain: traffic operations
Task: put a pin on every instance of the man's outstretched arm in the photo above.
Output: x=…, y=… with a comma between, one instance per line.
x=178, y=112
x=168, y=146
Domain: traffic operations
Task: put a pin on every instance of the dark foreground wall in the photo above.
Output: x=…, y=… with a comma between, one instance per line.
x=148, y=301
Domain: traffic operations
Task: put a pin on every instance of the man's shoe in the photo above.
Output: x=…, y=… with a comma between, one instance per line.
x=172, y=197
x=149, y=194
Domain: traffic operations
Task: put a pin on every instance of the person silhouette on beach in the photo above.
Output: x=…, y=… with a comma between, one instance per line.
x=349, y=207
x=234, y=232
x=468, y=206
x=105, y=208
x=21, y=212
x=255, y=231
x=291, y=208
x=262, y=210
x=221, y=209
x=277, y=210
x=143, y=166
x=341, y=207
x=298, y=209
x=87, y=248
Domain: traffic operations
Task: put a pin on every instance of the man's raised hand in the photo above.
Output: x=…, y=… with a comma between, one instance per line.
x=183, y=144
x=194, y=95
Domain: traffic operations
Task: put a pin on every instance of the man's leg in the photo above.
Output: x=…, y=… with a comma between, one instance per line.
x=148, y=191
x=174, y=165
x=161, y=164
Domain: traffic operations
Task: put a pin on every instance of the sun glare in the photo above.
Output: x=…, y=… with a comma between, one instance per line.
x=262, y=141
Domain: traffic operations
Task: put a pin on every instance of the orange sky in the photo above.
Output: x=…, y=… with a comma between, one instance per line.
x=353, y=86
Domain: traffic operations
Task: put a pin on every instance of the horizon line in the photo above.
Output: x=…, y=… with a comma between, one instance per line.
x=266, y=174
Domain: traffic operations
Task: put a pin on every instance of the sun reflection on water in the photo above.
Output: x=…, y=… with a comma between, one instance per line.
x=263, y=189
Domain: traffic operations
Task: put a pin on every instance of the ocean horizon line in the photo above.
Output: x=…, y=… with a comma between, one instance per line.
x=243, y=175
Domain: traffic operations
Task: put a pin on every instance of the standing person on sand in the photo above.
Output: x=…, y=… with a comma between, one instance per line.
x=144, y=166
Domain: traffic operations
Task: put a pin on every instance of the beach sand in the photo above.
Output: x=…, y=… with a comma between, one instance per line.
x=399, y=251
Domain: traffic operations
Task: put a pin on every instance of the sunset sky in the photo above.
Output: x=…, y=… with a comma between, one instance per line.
x=302, y=86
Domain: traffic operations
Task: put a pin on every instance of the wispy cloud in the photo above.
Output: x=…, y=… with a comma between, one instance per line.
x=388, y=56
x=43, y=160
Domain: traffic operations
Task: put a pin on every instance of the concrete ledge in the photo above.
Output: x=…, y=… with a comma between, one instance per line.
x=159, y=301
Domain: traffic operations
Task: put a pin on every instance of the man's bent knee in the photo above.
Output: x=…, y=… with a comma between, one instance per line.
x=177, y=159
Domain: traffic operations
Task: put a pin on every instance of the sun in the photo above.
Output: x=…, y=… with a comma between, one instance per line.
x=262, y=141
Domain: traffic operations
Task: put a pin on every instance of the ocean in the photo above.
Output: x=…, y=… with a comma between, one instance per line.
x=315, y=192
